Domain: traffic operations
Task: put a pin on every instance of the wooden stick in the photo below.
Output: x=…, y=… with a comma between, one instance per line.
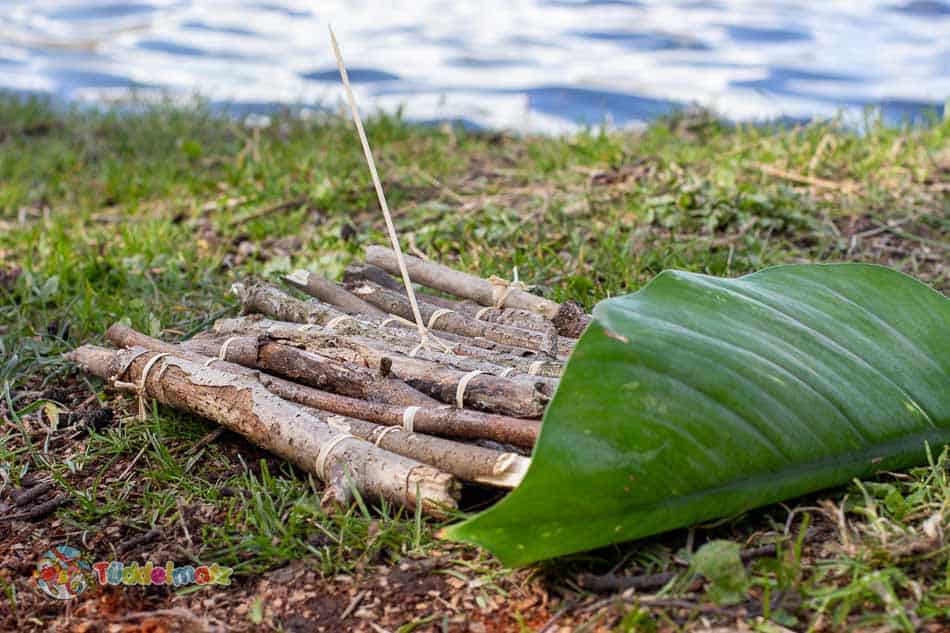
x=510, y=321
x=512, y=394
x=567, y=317
x=329, y=292
x=261, y=298
x=450, y=321
x=485, y=392
x=524, y=319
x=446, y=421
x=38, y=511
x=274, y=208
x=28, y=495
x=611, y=583
x=521, y=396
x=367, y=272
x=122, y=335
x=465, y=461
x=442, y=420
x=382, y=341
x=243, y=405
x=771, y=170
x=310, y=369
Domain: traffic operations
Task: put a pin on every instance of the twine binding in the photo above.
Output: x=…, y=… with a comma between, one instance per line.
x=408, y=418
x=223, y=352
x=326, y=450
x=435, y=315
x=483, y=311
x=502, y=288
x=139, y=388
x=383, y=432
x=335, y=321
x=463, y=383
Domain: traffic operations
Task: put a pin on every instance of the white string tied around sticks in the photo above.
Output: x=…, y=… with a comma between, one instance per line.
x=335, y=321
x=328, y=448
x=501, y=288
x=139, y=387
x=463, y=384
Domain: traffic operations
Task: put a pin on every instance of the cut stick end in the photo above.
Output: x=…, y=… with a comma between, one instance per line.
x=508, y=472
x=92, y=359
x=240, y=290
x=437, y=491
x=117, y=332
x=570, y=319
x=297, y=278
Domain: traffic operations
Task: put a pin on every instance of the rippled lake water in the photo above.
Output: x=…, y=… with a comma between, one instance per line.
x=528, y=65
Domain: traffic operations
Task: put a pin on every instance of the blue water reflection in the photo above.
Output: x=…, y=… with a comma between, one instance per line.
x=544, y=65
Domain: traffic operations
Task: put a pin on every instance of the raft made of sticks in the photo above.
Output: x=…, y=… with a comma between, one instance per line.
x=342, y=386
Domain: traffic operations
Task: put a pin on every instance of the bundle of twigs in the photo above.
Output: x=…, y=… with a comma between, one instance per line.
x=347, y=386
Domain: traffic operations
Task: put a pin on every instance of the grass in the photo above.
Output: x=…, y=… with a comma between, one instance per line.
x=140, y=216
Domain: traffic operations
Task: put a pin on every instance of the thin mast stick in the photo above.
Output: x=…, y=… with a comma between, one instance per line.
x=423, y=331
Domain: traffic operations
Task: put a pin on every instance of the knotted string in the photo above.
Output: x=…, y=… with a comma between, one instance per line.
x=501, y=288
x=463, y=383
x=139, y=388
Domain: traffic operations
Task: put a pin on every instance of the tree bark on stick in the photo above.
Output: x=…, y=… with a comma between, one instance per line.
x=522, y=396
x=367, y=272
x=243, y=405
x=329, y=292
x=316, y=337
x=450, y=321
x=123, y=336
x=465, y=461
x=443, y=420
x=514, y=317
x=261, y=298
x=341, y=373
x=569, y=319
x=310, y=369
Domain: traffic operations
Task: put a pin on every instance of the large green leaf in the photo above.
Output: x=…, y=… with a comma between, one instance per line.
x=699, y=397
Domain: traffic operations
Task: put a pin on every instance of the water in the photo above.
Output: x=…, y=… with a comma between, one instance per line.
x=528, y=65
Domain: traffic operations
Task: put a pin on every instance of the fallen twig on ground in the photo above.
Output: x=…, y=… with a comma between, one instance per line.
x=38, y=511
x=609, y=583
x=274, y=208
